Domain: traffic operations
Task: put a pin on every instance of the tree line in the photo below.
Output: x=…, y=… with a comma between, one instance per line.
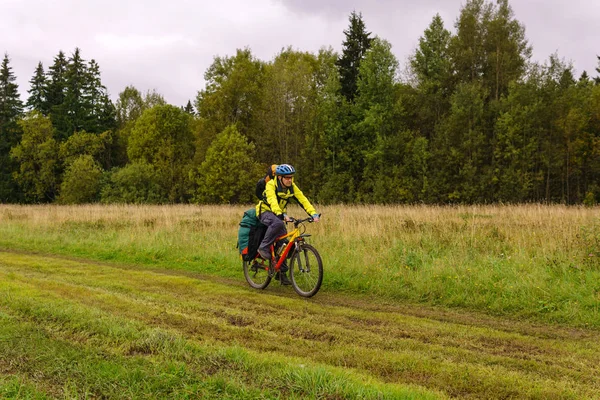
x=471, y=120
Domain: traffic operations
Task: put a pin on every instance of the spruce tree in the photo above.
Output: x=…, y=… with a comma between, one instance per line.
x=597, y=79
x=56, y=81
x=11, y=106
x=76, y=79
x=355, y=46
x=92, y=92
x=11, y=109
x=56, y=92
x=37, y=100
x=101, y=113
x=189, y=108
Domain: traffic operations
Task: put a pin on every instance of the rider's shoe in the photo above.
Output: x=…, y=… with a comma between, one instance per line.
x=264, y=253
x=284, y=279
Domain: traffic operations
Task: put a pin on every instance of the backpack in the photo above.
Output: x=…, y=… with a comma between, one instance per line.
x=262, y=182
x=250, y=234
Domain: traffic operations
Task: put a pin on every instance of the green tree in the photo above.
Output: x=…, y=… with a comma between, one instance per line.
x=287, y=107
x=490, y=46
x=37, y=158
x=317, y=159
x=130, y=106
x=520, y=128
x=432, y=68
x=135, y=183
x=75, y=106
x=507, y=51
x=11, y=109
x=84, y=143
x=431, y=64
x=37, y=93
x=458, y=155
x=56, y=92
x=232, y=96
x=467, y=47
x=163, y=138
x=354, y=49
x=229, y=172
x=152, y=98
x=81, y=181
x=101, y=112
x=376, y=102
x=189, y=108
x=57, y=81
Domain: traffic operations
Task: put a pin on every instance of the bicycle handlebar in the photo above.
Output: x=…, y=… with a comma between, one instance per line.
x=300, y=221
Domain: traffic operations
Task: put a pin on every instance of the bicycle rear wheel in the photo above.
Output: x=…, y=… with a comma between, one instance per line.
x=257, y=274
x=306, y=270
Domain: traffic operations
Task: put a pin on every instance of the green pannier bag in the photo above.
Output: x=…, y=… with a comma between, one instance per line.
x=250, y=234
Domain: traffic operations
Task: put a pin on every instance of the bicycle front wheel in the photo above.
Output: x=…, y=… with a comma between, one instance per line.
x=306, y=270
x=256, y=274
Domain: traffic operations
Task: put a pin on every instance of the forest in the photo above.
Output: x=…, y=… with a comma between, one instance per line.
x=472, y=120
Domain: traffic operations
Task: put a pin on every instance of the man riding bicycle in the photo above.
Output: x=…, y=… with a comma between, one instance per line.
x=271, y=210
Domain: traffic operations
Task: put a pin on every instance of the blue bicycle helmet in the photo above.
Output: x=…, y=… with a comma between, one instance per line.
x=285, y=169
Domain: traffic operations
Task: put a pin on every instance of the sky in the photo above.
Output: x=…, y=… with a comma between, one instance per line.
x=167, y=46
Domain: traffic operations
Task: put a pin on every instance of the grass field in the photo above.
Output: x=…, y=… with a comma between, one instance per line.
x=417, y=302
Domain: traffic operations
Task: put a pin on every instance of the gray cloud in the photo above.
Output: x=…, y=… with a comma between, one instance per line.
x=168, y=46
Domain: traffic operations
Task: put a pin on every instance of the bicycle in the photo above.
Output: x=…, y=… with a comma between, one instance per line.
x=305, y=265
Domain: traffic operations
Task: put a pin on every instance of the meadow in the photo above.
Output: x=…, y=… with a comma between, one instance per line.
x=531, y=261
x=417, y=302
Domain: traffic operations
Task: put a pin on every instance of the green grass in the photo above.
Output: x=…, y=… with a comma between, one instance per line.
x=535, y=262
x=65, y=332
x=78, y=329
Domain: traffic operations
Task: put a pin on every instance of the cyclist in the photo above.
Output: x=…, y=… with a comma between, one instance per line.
x=271, y=210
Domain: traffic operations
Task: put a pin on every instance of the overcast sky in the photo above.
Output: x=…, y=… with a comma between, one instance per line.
x=168, y=45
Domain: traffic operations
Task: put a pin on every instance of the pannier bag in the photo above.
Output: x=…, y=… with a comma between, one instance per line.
x=250, y=234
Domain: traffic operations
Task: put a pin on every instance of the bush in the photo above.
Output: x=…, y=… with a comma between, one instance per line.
x=135, y=183
x=229, y=172
x=81, y=183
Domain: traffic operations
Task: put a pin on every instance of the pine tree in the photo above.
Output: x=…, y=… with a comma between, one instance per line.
x=37, y=100
x=101, y=113
x=76, y=79
x=56, y=92
x=92, y=97
x=11, y=109
x=355, y=46
x=189, y=108
x=11, y=106
x=597, y=79
x=56, y=81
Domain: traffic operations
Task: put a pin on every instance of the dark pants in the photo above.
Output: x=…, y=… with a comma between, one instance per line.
x=275, y=228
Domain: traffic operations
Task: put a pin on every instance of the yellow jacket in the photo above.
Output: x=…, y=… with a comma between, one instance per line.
x=278, y=196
